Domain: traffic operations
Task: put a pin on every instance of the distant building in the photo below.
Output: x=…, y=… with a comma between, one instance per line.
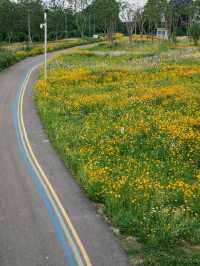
x=162, y=33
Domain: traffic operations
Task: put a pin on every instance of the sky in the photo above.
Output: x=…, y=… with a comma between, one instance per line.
x=138, y=2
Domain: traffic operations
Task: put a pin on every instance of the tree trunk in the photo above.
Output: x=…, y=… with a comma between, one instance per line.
x=110, y=38
x=89, y=26
x=9, y=37
x=56, y=33
x=141, y=30
x=110, y=29
x=130, y=39
x=66, y=26
x=82, y=33
x=29, y=29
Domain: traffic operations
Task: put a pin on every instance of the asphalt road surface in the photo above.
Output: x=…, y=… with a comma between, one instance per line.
x=45, y=218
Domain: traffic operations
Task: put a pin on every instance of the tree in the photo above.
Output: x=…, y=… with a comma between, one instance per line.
x=140, y=19
x=7, y=18
x=56, y=14
x=179, y=14
x=128, y=15
x=195, y=32
x=156, y=14
x=107, y=14
x=81, y=14
x=152, y=14
x=61, y=20
x=29, y=17
x=196, y=11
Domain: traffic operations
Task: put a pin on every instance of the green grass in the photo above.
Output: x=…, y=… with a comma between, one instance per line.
x=127, y=125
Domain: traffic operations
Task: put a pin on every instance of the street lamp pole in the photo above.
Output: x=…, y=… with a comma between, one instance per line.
x=44, y=25
x=45, y=46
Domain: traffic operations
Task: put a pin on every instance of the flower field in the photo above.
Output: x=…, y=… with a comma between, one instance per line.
x=128, y=125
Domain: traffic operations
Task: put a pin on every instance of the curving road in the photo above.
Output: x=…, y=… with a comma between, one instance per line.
x=45, y=219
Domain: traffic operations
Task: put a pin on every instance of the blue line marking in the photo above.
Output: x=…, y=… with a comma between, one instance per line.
x=51, y=213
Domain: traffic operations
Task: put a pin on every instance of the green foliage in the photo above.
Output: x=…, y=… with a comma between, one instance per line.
x=61, y=21
x=163, y=259
x=7, y=58
x=107, y=13
x=154, y=9
x=106, y=9
x=195, y=32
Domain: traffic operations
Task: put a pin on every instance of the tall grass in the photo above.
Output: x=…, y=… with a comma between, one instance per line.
x=128, y=126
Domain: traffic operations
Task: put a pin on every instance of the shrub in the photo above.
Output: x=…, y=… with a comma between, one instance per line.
x=21, y=54
x=195, y=32
x=7, y=58
x=21, y=37
x=36, y=50
x=119, y=36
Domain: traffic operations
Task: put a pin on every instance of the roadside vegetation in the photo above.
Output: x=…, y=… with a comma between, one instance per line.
x=7, y=58
x=12, y=53
x=126, y=121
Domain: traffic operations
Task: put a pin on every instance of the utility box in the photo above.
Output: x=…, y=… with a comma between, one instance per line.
x=162, y=33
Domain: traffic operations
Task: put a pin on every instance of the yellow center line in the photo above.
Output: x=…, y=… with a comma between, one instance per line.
x=59, y=209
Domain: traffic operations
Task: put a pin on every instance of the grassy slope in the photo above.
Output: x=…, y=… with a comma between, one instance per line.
x=127, y=124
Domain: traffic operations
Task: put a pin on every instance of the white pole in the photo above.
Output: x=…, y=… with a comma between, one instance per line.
x=45, y=46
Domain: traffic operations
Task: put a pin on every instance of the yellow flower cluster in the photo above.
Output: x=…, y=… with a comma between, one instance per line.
x=134, y=136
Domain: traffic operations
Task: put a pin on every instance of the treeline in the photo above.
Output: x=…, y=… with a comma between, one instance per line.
x=176, y=15
x=14, y=18
x=20, y=20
